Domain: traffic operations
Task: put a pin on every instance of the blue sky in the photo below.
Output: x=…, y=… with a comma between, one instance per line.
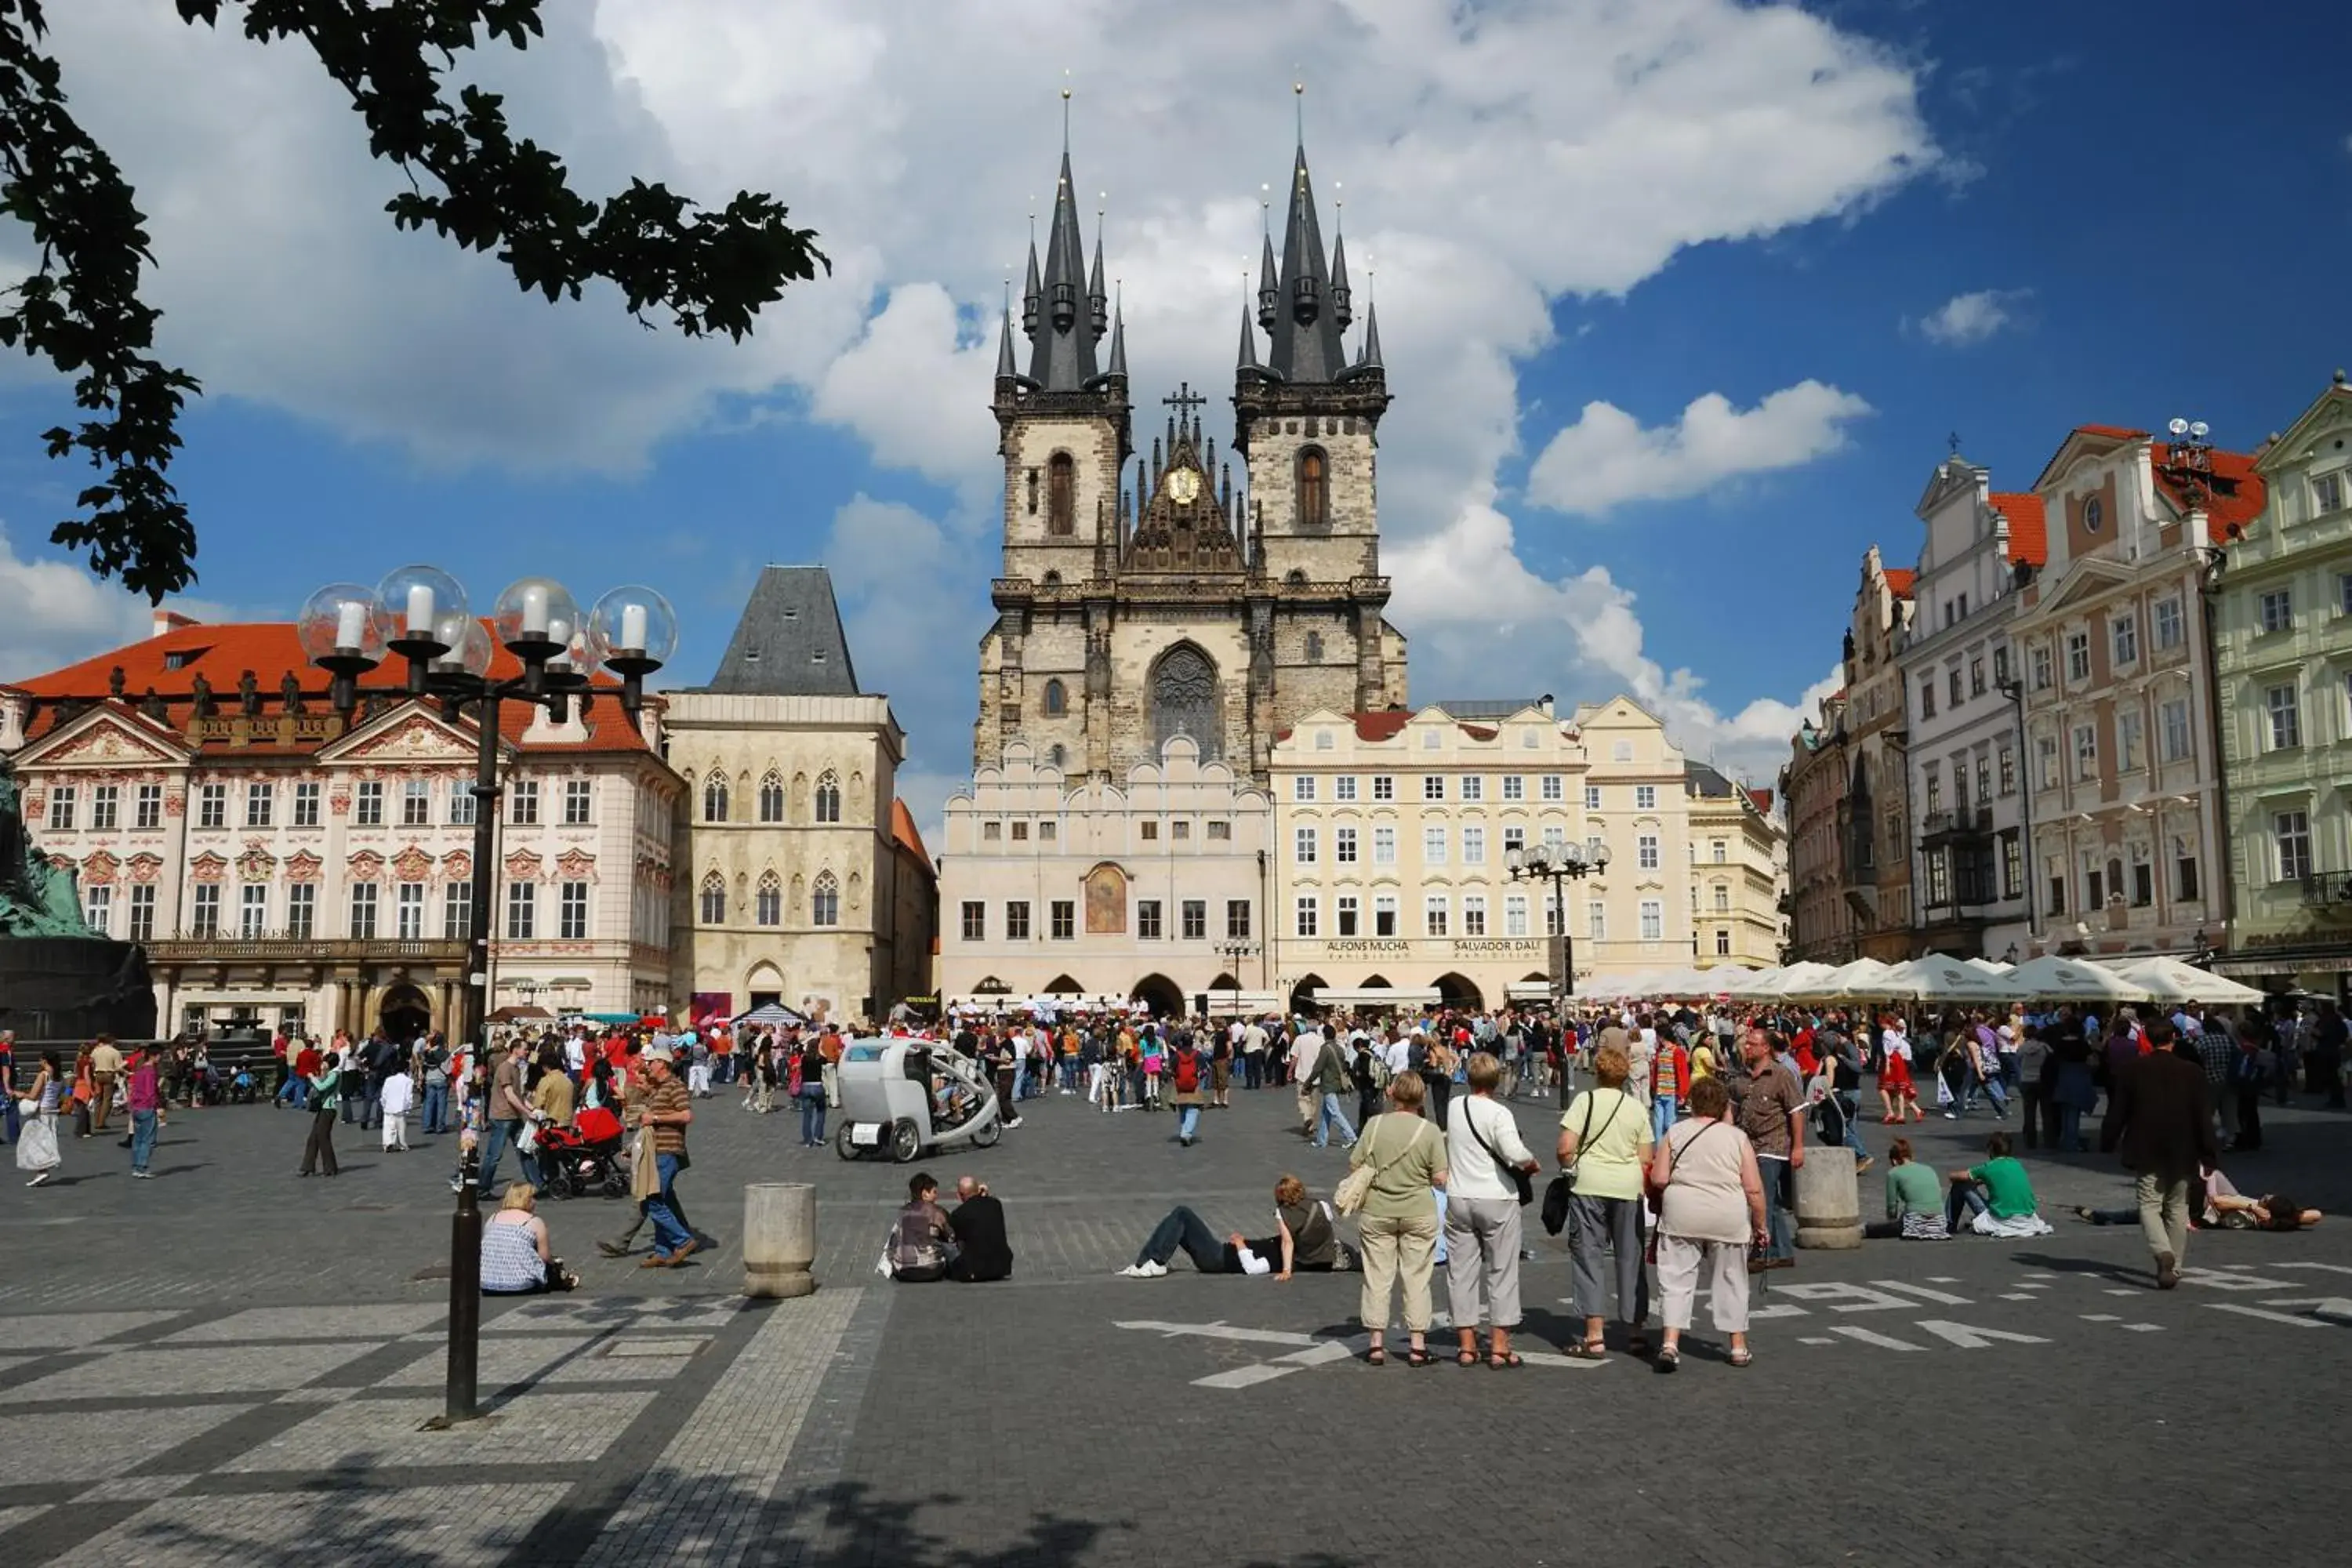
x=1859, y=227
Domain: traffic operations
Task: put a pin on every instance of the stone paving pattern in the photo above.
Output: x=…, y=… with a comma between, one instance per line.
x=230, y=1365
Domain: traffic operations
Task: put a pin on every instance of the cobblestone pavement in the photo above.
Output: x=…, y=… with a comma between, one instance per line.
x=230, y=1365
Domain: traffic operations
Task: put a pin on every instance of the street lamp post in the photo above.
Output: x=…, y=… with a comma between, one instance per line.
x=420, y=612
x=1235, y=952
x=1559, y=865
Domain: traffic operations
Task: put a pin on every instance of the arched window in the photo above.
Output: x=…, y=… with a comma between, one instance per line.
x=714, y=900
x=1313, y=647
x=1056, y=703
x=714, y=800
x=1296, y=578
x=825, y=900
x=1061, y=494
x=828, y=798
x=1314, y=492
x=1184, y=700
x=771, y=799
x=768, y=907
x=1056, y=756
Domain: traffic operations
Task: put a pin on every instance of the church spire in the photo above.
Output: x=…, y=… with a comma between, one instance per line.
x=1340, y=309
x=1307, y=322
x=1117, y=344
x=1369, y=358
x=1032, y=294
x=1246, y=365
x=1097, y=302
x=1063, y=357
x=1005, y=369
x=1268, y=291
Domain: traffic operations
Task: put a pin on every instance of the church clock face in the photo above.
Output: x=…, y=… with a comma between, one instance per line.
x=1184, y=486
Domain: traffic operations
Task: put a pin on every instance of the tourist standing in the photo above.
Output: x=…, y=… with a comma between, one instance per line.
x=2161, y=1123
x=1486, y=1164
x=503, y=1117
x=326, y=1099
x=435, y=1061
x=1604, y=1145
x=1398, y=1223
x=808, y=1072
x=105, y=1067
x=1710, y=1208
x=1331, y=1081
x=37, y=1140
x=1772, y=1107
x=392, y=1100
x=667, y=1111
x=144, y=1097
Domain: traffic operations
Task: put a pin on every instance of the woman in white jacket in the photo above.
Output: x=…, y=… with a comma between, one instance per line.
x=1486, y=1160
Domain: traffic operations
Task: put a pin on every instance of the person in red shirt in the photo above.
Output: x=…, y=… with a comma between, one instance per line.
x=308, y=1065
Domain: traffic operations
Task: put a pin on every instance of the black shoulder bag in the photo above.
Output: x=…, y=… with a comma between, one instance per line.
x=1519, y=1179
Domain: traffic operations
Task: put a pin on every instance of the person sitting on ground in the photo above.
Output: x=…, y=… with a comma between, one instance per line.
x=983, y=1251
x=2005, y=1206
x=1303, y=1242
x=517, y=1259
x=1914, y=1208
x=2225, y=1209
x=922, y=1242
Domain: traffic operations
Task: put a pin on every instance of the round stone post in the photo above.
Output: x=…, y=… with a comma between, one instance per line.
x=1829, y=1207
x=779, y=1239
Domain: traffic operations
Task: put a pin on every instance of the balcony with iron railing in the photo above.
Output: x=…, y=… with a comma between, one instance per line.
x=229, y=948
x=2328, y=890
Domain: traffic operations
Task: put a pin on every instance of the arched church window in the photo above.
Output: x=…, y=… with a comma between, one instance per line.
x=825, y=900
x=1314, y=492
x=1184, y=700
x=828, y=799
x=771, y=799
x=714, y=800
x=1295, y=578
x=1061, y=494
x=714, y=900
x=768, y=906
x=1056, y=703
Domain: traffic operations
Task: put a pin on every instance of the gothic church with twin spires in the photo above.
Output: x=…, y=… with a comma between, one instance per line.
x=1140, y=603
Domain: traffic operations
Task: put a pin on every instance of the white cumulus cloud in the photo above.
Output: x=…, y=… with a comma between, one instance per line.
x=53, y=612
x=1966, y=318
x=1607, y=458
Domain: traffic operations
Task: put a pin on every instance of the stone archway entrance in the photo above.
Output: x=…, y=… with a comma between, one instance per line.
x=403, y=1014
x=1161, y=994
x=1302, y=995
x=1460, y=993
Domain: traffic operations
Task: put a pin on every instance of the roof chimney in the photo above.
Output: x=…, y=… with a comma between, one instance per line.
x=170, y=621
x=1544, y=702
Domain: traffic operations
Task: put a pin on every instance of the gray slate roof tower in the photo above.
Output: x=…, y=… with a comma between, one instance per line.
x=790, y=642
x=1310, y=307
x=1064, y=311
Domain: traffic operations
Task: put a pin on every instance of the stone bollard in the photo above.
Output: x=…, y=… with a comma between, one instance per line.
x=1829, y=1201
x=779, y=1239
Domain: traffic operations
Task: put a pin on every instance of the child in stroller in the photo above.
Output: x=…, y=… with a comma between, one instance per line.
x=587, y=1154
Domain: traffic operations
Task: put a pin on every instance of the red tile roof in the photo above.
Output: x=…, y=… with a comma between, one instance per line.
x=1898, y=581
x=902, y=828
x=2112, y=432
x=2237, y=490
x=1385, y=725
x=1762, y=800
x=169, y=663
x=2029, y=529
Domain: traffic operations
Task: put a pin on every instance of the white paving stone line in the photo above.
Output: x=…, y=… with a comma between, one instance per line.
x=697, y=1502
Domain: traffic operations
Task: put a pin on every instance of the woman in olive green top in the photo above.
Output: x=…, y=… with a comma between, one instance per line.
x=1604, y=1137
x=1398, y=1223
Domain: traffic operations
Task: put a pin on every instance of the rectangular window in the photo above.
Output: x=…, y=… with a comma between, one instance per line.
x=1220, y=829
x=1552, y=788
x=2344, y=593
x=62, y=800
x=364, y=906
x=1927, y=698
x=1939, y=879
x=975, y=920
x=1515, y=786
x=1514, y=914
x=142, y=912
x=1474, y=845
x=1345, y=911
x=2013, y=864
x=1062, y=919
x=1722, y=941
x=2078, y=657
x=1434, y=915
x=1645, y=797
x=2040, y=661
x=203, y=916
x=367, y=809
x=2277, y=610
x=522, y=803
x=1384, y=915
x=1722, y=898
x=522, y=911
x=1383, y=845
x=1984, y=778
x=2126, y=639
x=1148, y=926
x=2174, y=718
x=1343, y=788
x=1016, y=920
x=2008, y=771
x=1303, y=787
x=1934, y=792
x=2130, y=736
x=1514, y=838
x=2286, y=718
x=1309, y=916
x=2095, y=890
x=1473, y=787
x=301, y=911
x=2000, y=665
x=416, y=804
x=2057, y=904
x=252, y=911
x=457, y=912
x=1193, y=914
x=1021, y=832
x=2327, y=492
x=579, y=799
x=1432, y=846
x=1653, y=919
x=212, y=805
x=1303, y=846
x=2143, y=891
x=1645, y=852
x=1976, y=678
x=1474, y=914
x=2291, y=831
x=1596, y=921
x=461, y=805
x=2184, y=874
x=2045, y=753
x=1718, y=850
x=97, y=908
x=1237, y=918
x=1432, y=786
x=574, y=916
x=150, y=808
x=305, y=804
x=408, y=911
x=1593, y=798
x=1343, y=845
x=2168, y=623
x=1383, y=786
x=1952, y=684
x=2086, y=751
x=1151, y=831
x=992, y=832
x=105, y=807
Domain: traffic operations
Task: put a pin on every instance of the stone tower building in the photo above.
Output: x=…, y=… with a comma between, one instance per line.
x=1137, y=607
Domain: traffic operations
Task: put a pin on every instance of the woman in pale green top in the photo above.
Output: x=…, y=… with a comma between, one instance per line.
x=1398, y=1223
x=1605, y=1137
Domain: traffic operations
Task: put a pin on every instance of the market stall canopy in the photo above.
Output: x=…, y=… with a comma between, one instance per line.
x=1990, y=966
x=1379, y=996
x=1789, y=982
x=1939, y=977
x=2171, y=980
x=770, y=1014
x=2055, y=979
x=1863, y=979
x=519, y=1011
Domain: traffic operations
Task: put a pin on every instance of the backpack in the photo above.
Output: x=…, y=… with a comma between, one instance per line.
x=1188, y=1072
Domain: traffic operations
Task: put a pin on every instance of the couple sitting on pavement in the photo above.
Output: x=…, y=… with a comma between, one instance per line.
x=1304, y=1241
x=1995, y=1198
x=968, y=1244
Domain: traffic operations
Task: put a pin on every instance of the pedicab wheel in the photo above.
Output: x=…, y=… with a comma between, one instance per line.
x=841, y=1145
x=987, y=1136
x=906, y=1141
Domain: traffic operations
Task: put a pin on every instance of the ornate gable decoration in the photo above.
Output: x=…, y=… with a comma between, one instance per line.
x=145, y=868
x=208, y=868
x=522, y=866
x=107, y=739
x=576, y=865
x=410, y=734
x=457, y=866
x=367, y=865
x=412, y=865
x=256, y=864
x=1186, y=526
x=101, y=867
x=302, y=867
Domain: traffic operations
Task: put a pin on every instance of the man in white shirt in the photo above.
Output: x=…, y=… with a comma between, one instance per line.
x=1254, y=1055
x=1398, y=1056
x=1303, y=1052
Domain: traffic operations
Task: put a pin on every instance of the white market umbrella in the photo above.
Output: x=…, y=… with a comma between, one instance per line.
x=2057, y=979
x=1863, y=979
x=1941, y=977
x=1990, y=966
x=1793, y=981
x=2171, y=980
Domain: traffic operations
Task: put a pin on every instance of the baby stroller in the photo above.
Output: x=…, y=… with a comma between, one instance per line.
x=590, y=1154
